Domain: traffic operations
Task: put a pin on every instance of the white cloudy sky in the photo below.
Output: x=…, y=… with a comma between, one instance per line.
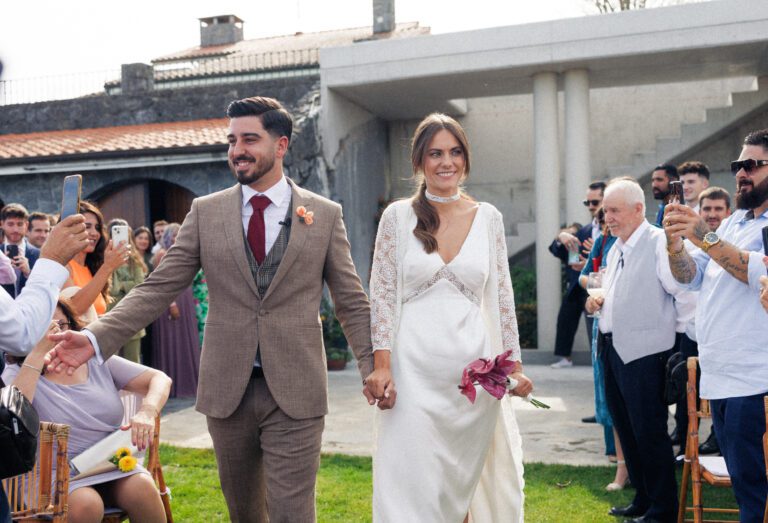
x=52, y=37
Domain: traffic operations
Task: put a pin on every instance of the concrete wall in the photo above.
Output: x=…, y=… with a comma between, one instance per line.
x=359, y=184
x=624, y=120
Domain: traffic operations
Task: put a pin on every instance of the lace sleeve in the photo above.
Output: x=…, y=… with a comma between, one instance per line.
x=383, y=283
x=507, y=317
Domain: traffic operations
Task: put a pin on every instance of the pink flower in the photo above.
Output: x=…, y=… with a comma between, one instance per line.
x=489, y=374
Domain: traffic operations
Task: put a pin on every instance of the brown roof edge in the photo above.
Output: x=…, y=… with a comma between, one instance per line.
x=114, y=154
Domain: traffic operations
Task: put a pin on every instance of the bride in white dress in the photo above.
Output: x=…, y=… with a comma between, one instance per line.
x=441, y=297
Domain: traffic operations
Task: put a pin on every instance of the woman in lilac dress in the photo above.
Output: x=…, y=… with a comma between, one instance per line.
x=89, y=402
x=175, y=339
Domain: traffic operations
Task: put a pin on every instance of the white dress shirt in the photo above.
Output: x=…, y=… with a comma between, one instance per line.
x=731, y=325
x=280, y=196
x=685, y=305
x=23, y=321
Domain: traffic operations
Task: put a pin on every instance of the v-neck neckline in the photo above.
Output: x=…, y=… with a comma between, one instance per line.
x=463, y=243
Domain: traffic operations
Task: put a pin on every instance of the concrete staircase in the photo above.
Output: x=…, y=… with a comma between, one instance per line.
x=717, y=121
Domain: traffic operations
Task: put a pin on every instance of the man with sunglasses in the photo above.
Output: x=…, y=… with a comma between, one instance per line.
x=577, y=245
x=731, y=325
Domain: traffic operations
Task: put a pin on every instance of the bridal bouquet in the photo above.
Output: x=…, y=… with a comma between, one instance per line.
x=493, y=376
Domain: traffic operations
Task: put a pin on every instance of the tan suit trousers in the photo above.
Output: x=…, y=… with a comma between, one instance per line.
x=267, y=461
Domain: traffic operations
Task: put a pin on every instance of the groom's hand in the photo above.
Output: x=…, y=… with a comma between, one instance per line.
x=72, y=350
x=379, y=389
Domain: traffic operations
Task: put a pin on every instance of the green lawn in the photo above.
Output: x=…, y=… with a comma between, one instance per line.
x=554, y=493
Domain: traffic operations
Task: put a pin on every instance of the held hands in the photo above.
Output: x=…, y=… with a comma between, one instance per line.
x=173, y=311
x=680, y=221
x=379, y=389
x=142, y=427
x=72, y=350
x=66, y=239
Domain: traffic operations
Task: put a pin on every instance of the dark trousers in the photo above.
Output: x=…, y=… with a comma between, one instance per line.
x=740, y=424
x=634, y=394
x=688, y=348
x=5, y=510
x=568, y=321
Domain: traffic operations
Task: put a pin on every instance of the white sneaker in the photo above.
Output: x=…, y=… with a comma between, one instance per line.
x=562, y=363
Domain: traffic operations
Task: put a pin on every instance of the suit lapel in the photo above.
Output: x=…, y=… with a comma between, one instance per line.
x=233, y=228
x=299, y=232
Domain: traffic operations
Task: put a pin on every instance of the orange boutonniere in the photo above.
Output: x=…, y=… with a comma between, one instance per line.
x=304, y=215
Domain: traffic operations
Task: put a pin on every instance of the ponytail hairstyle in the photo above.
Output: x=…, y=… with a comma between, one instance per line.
x=427, y=219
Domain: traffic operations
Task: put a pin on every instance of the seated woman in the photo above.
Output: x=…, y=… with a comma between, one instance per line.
x=89, y=402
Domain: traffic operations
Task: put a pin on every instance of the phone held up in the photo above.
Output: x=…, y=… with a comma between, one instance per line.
x=70, y=195
x=675, y=192
x=11, y=251
x=119, y=235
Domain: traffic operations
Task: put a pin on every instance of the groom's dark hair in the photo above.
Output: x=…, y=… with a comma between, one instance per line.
x=275, y=119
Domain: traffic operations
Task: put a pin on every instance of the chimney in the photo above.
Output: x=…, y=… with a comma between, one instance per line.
x=383, y=16
x=220, y=30
x=137, y=78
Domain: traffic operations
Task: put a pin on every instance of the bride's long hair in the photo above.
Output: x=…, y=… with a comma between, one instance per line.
x=427, y=219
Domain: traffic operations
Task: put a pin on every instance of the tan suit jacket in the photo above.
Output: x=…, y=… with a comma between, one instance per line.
x=284, y=323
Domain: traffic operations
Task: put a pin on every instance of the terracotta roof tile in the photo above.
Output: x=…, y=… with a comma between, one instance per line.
x=293, y=42
x=147, y=137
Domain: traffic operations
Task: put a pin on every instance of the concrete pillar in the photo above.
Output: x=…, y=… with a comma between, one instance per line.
x=547, y=178
x=383, y=16
x=577, y=154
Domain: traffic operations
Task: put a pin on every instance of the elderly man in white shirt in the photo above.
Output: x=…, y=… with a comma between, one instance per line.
x=637, y=324
x=23, y=321
x=731, y=325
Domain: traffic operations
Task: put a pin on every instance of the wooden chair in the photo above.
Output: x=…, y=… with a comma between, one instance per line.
x=34, y=496
x=710, y=469
x=132, y=403
x=30, y=494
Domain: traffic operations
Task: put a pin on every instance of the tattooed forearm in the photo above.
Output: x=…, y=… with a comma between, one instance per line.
x=700, y=229
x=732, y=259
x=683, y=267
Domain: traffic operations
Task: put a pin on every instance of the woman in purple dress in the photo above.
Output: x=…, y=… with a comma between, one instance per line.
x=89, y=402
x=175, y=339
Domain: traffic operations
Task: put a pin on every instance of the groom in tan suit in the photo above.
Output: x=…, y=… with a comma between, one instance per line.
x=266, y=247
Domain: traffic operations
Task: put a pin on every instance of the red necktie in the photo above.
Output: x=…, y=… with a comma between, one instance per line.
x=257, y=238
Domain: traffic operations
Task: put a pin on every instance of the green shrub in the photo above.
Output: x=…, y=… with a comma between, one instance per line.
x=524, y=285
x=336, y=346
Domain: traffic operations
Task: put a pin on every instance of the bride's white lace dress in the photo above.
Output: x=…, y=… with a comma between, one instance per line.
x=438, y=456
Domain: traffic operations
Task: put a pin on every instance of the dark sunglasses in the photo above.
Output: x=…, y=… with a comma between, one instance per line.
x=594, y=203
x=63, y=324
x=748, y=165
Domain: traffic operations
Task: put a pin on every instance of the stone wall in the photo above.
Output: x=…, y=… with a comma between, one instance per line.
x=173, y=105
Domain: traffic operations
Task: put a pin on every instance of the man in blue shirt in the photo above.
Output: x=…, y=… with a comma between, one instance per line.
x=731, y=325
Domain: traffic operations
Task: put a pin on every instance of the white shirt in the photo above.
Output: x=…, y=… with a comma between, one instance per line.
x=731, y=325
x=685, y=303
x=23, y=321
x=280, y=196
x=595, y=229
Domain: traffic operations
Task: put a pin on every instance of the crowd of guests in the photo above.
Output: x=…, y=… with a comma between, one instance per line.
x=693, y=282
x=102, y=274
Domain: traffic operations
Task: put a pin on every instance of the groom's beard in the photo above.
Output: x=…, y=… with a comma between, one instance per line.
x=751, y=196
x=258, y=168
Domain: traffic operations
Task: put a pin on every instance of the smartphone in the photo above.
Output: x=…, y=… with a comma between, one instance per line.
x=676, y=192
x=11, y=251
x=765, y=240
x=119, y=234
x=70, y=195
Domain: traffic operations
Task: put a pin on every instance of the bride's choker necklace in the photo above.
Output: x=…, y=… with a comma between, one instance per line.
x=442, y=199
